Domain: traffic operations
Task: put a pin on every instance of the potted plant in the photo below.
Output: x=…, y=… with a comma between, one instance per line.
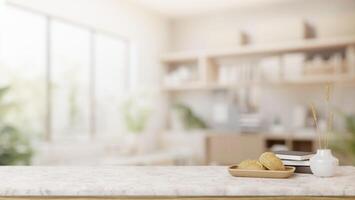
x=136, y=112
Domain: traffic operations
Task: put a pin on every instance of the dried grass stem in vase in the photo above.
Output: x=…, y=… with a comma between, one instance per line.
x=324, y=137
x=323, y=163
x=315, y=119
x=329, y=114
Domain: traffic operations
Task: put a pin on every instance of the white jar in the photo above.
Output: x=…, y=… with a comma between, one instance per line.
x=324, y=164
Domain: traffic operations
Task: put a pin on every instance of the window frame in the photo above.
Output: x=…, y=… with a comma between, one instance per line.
x=93, y=32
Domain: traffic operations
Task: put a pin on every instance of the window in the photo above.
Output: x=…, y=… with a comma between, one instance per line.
x=23, y=67
x=79, y=72
x=111, y=69
x=70, y=74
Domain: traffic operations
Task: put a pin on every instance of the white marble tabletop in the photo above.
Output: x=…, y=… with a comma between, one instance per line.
x=164, y=181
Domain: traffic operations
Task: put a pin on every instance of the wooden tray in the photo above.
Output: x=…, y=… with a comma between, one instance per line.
x=234, y=171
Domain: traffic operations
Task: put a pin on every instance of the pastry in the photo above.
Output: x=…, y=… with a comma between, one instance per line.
x=270, y=161
x=251, y=164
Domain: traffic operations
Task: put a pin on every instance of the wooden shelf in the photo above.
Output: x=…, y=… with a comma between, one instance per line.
x=216, y=86
x=180, y=57
x=320, y=79
x=307, y=80
x=291, y=47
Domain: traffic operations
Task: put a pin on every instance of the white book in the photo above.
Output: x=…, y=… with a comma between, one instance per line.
x=293, y=155
x=296, y=163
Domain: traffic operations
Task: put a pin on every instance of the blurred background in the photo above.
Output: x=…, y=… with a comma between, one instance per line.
x=172, y=82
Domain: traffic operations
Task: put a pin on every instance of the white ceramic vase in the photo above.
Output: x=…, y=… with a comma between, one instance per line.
x=324, y=164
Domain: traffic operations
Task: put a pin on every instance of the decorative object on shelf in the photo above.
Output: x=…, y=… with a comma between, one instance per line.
x=180, y=74
x=292, y=65
x=333, y=64
x=239, y=72
x=316, y=65
x=250, y=122
x=190, y=119
x=227, y=74
x=323, y=164
x=220, y=113
x=225, y=111
x=299, y=117
x=270, y=68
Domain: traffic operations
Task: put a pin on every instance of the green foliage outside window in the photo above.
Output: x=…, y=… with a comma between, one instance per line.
x=15, y=148
x=344, y=144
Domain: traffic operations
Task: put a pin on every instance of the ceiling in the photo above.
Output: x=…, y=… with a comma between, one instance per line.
x=184, y=8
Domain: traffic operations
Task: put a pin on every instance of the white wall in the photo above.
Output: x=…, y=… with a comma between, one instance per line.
x=147, y=31
x=221, y=29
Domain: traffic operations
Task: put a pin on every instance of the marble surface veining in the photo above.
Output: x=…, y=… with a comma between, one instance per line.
x=163, y=181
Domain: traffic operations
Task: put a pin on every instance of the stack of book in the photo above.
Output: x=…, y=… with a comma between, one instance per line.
x=298, y=159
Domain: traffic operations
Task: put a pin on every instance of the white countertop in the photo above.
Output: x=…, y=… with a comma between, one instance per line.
x=163, y=181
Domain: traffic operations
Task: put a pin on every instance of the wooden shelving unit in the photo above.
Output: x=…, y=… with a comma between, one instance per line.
x=207, y=64
x=206, y=67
